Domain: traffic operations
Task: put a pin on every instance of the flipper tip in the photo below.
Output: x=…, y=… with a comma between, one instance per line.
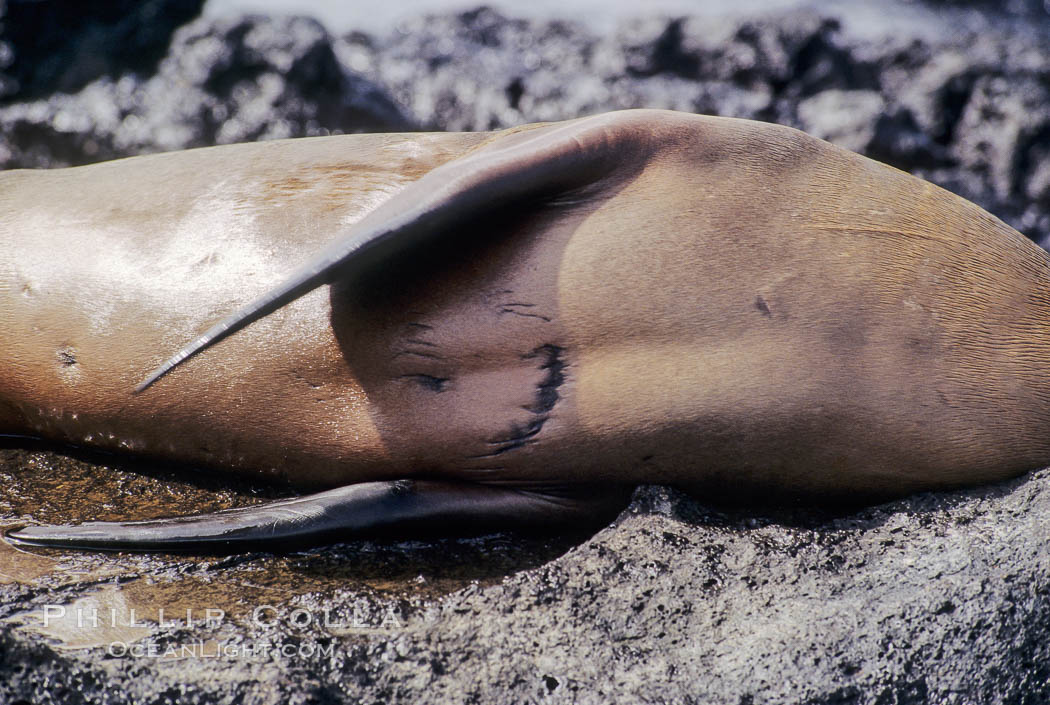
x=44, y=535
x=164, y=369
x=148, y=382
x=214, y=335
x=114, y=536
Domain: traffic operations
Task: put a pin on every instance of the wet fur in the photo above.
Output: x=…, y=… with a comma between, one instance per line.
x=731, y=307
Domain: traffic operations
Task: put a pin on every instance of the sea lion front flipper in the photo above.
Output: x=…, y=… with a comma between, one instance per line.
x=549, y=161
x=363, y=510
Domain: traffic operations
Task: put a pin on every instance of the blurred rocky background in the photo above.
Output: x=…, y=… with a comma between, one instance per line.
x=941, y=598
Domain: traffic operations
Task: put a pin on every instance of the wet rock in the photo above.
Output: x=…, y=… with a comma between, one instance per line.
x=481, y=71
x=800, y=49
x=1038, y=186
x=936, y=89
x=898, y=140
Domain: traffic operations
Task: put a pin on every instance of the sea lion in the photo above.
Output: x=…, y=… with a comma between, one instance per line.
x=519, y=327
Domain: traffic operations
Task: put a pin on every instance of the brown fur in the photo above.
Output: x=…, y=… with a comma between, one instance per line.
x=747, y=307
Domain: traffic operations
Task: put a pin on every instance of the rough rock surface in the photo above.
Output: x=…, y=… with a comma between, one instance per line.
x=939, y=598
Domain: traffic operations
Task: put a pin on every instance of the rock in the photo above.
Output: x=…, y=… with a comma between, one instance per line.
x=936, y=90
x=935, y=598
x=1038, y=10
x=1038, y=186
x=480, y=71
x=861, y=121
x=1005, y=118
x=59, y=46
x=909, y=100
x=846, y=118
x=221, y=82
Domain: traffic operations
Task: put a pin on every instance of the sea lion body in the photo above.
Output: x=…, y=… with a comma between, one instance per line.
x=107, y=266
x=732, y=307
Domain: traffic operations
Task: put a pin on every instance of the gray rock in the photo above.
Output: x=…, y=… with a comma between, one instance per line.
x=845, y=118
x=915, y=102
x=940, y=598
x=1038, y=10
x=1005, y=120
x=221, y=82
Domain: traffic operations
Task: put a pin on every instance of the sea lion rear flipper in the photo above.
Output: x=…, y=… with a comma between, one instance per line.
x=547, y=161
x=363, y=510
